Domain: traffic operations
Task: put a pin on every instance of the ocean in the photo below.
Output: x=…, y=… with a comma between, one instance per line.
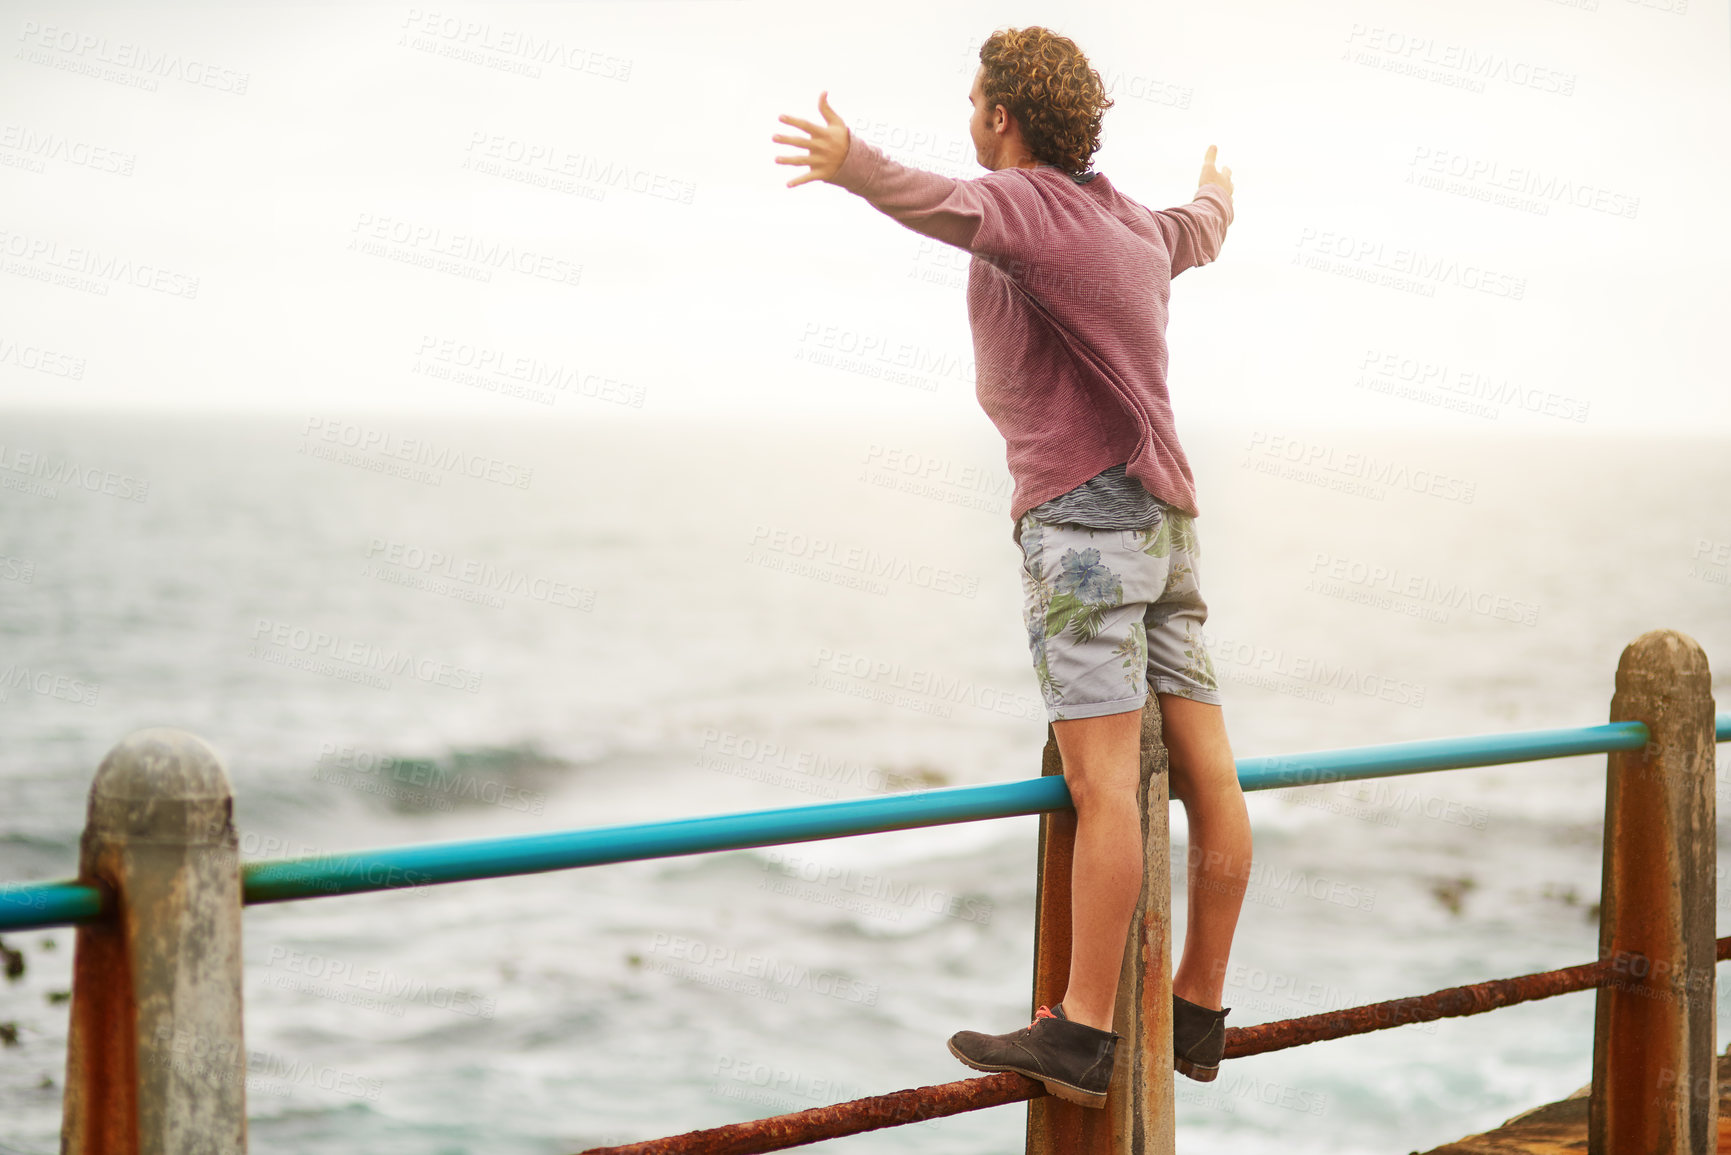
x=398, y=630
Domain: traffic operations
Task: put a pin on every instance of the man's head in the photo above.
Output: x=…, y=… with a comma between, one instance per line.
x=1035, y=101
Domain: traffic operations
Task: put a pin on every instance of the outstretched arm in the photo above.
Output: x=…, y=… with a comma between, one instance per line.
x=1195, y=232
x=981, y=216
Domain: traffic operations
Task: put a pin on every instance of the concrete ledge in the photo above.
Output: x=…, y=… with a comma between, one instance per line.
x=1560, y=1128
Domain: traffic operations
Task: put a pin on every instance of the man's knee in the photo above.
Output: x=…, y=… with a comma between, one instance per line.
x=1089, y=792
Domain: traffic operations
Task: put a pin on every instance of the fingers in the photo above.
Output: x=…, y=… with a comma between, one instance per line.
x=1209, y=159
x=798, y=123
x=829, y=113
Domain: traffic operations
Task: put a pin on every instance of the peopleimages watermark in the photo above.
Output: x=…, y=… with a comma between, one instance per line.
x=433, y=787
x=1271, y=887
x=518, y=375
x=865, y=891
x=121, y=61
x=1453, y=65
x=198, y=1058
x=881, y=357
x=1402, y=267
x=334, y=872
x=858, y=567
x=504, y=49
x=41, y=474
x=317, y=650
x=1237, y=1090
x=558, y=169
x=17, y=569
x=16, y=678
x=946, y=154
x=1351, y=472
x=1387, y=587
x=1461, y=389
x=373, y=988
x=1272, y=667
x=463, y=255
x=468, y=579
x=759, y=975
x=1669, y=7
x=1383, y=803
x=39, y=360
x=937, y=478
x=413, y=458
x=784, y=1090
x=1512, y=186
x=914, y=688
x=29, y=149
x=1711, y=561
x=87, y=270
x=23, y=895
x=943, y=266
x=1277, y=992
x=807, y=771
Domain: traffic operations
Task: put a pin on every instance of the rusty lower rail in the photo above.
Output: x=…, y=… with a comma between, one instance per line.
x=818, y=1123
x=916, y=1104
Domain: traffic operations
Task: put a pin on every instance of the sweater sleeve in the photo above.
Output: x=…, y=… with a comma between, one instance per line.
x=993, y=216
x=1195, y=232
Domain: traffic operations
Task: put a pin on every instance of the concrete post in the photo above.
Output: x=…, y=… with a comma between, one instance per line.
x=1138, y=1116
x=156, y=1062
x=1654, y=1038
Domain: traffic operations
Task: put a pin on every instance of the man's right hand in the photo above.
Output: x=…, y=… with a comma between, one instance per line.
x=1212, y=175
x=825, y=147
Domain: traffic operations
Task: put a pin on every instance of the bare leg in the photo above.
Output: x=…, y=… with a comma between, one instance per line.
x=1204, y=777
x=1102, y=768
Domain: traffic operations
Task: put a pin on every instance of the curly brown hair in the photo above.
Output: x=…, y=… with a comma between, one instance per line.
x=1045, y=82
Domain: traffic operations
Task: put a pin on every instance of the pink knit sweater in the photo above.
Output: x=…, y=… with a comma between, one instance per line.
x=1067, y=295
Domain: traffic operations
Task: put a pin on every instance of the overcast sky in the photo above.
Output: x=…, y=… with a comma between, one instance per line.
x=1484, y=215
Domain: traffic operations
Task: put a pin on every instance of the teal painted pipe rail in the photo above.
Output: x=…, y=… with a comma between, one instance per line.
x=28, y=905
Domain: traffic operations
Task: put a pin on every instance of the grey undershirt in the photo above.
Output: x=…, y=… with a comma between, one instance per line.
x=1111, y=499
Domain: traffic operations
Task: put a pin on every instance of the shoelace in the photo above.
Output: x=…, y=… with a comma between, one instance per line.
x=1043, y=1013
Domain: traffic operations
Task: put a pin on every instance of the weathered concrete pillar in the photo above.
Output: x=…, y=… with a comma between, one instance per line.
x=1138, y=1116
x=1654, y=1037
x=156, y=1062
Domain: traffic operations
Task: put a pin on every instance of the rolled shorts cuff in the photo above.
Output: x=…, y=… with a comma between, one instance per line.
x=1066, y=713
x=1185, y=690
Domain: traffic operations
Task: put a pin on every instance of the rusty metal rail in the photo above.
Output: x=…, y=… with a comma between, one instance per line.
x=779, y=1132
x=916, y=1104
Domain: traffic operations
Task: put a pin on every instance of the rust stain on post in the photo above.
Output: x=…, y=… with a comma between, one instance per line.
x=100, y=1109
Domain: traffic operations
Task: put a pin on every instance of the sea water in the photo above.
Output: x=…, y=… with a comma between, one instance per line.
x=398, y=631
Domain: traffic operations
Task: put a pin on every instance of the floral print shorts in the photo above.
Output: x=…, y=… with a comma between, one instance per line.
x=1112, y=613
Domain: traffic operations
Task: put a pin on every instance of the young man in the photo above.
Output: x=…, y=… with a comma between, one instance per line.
x=1067, y=294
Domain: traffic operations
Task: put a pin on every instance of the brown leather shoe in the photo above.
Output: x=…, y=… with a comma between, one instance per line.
x=1072, y=1059
x=1198, y=1039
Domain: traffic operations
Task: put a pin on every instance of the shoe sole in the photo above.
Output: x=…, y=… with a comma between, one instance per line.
x=1196, y=1071
x=1063, y=1091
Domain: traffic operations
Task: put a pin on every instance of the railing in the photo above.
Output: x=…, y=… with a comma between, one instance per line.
x=155, y=1062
